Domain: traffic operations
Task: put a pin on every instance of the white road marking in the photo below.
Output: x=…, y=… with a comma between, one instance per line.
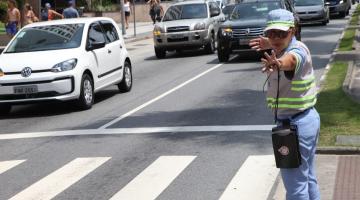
x=58, y=181
x=6, y=165
x=145, y=130
x=160, y=96
x=154, y=179
x=253, y=180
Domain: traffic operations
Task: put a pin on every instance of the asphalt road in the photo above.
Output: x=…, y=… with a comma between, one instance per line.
x=201, y=121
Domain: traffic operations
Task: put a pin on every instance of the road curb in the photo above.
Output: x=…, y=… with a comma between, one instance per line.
x=338, y=150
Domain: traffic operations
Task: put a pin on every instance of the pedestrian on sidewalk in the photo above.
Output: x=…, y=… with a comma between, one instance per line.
x=70, y=11
x=12, y=18
x=30, y=16
x=49, y=14
x=127, y=8
x=292, y=95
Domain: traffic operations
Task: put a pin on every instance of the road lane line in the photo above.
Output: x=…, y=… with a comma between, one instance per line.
x=254, y=179
x=161, y=96
x=154, y=179
x=6, y=165
x=144, y=130
x=58, y=181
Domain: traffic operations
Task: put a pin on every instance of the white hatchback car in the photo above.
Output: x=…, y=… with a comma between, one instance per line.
x=63, y=60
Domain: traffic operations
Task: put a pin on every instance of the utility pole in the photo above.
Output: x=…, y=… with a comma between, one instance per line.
x=122, y=17
x=134, y=18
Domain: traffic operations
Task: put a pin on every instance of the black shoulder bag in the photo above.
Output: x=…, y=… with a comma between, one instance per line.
x=285, y=141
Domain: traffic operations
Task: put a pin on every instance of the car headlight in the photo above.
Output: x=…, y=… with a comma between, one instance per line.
x=65, y=66
x=342, y=1
x=200, y=26
x=158, y=30
x=1, y=73
x=226, y=31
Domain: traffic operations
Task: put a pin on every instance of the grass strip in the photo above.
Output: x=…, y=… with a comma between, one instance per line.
x=2, y=28
x=340, y=115
x=346, y=43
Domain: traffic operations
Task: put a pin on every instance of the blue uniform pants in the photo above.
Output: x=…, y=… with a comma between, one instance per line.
x=301, y=183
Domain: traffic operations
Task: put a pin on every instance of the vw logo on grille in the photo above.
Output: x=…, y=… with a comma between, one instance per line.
x=26, y=72
x=247, y=32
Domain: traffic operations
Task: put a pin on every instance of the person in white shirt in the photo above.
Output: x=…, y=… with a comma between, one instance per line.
x=127, y=13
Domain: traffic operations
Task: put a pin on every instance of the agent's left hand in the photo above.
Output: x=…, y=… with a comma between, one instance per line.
x=270, y=62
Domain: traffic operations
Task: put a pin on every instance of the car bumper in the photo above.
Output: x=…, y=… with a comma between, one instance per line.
x=55, y=88
x=338, y=8
x=182, y=39
x=315, y=18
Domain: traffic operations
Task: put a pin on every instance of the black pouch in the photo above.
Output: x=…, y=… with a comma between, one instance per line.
x=286, y=146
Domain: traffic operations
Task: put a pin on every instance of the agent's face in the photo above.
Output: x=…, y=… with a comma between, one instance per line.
x=279, y=39
x=10, y=4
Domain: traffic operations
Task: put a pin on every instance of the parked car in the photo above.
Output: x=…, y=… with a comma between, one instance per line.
x=312, y=11
x=248, y=21
x=63, y=60
x=188, y=24
x=339, y=7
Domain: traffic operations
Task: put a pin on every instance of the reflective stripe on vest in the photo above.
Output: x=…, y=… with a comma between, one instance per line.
x=303, y=85
x=303, y=102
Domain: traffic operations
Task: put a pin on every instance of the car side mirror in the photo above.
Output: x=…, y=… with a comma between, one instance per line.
x=95, y=45
x=214, y=13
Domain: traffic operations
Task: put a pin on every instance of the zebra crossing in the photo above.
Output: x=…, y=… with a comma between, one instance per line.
x=253, y=180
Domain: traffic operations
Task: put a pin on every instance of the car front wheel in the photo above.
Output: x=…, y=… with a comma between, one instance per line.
x=210, y=47
x=126, y=82
x=160, y=53
x=223, y=53
x=5, y=109
x=86, y=98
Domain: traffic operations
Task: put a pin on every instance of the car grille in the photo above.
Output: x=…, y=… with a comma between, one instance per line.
x=178, y=39
x=248, y=32
x=311, y=12
x=178, y=29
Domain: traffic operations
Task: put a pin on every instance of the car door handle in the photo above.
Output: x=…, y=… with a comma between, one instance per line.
x=109, y=51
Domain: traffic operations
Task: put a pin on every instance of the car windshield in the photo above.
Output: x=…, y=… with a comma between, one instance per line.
x=255, y=10
x=190, y=11
x=51, y=37
x=308, y=2
x=228, y=9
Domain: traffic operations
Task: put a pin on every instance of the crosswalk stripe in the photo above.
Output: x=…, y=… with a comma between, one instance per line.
x=253, y=180
x=61, y=179
x=154, y=179
x=6, y=165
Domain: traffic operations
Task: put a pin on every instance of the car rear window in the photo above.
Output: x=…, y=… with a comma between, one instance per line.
x=189, y=11
x=42, y=38
x=254, y=10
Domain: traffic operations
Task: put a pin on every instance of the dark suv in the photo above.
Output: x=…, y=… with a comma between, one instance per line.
x=247, y=21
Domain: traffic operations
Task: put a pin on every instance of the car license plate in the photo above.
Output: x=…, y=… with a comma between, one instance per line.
x=244, y=41
x=177, y=36
x=29, y=89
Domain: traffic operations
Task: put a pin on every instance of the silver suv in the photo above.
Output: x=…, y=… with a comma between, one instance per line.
x=188, y=25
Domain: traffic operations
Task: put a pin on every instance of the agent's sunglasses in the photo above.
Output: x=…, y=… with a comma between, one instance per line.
x=276, y=34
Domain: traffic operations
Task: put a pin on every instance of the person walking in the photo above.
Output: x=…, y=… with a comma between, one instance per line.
x=127, y=8
x=291, y=95
x=30, y=16
x=156, y=10
x=49, y=14
x=70, y=11
x=12, y=19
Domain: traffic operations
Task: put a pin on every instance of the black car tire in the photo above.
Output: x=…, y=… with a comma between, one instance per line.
x=5, y=109
x=86, y=98
x=324, y=23
x=126, y=83
x=223, y=53
x=342, y=14
x=210, y=47
x=160, y=52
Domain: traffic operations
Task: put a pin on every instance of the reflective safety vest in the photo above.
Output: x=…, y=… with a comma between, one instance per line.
x=296, y=93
